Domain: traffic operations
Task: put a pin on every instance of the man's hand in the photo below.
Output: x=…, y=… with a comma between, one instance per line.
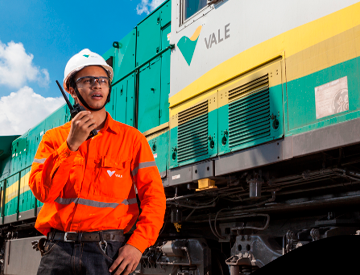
x=81, y=126
x=129, y=257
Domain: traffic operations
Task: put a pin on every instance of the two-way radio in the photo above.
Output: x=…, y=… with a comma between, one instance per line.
x=74, y=110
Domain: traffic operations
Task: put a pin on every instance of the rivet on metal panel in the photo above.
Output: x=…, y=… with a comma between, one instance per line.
x=224, y=139
x=275, y=123
x=212, y=143
x=174, y=153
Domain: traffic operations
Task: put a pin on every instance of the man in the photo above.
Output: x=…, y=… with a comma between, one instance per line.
x=87, y=185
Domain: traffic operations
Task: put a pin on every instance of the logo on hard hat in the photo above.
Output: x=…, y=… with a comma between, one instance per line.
x=187, y=45
x=86, y=55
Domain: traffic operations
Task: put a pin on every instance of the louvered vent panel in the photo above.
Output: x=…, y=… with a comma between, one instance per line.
x=193, y=132
x=249, y=112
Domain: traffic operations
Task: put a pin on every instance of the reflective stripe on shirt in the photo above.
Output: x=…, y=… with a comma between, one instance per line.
x=93, y=203
x=143, y=165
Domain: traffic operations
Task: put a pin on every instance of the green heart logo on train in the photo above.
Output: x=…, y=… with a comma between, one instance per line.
x=187, y=45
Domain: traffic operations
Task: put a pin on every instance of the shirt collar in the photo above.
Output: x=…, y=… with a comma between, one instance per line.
x=110, y=124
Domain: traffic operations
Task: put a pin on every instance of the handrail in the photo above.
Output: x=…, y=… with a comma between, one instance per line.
x=16, y=173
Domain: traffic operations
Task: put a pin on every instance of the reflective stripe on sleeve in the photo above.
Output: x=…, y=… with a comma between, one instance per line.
x=130, y=201
x=93, y=203
x=143, y=165
x=39, y=160
x=66, y=201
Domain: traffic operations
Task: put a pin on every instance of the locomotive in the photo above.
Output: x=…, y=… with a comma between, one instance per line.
x=252, y=111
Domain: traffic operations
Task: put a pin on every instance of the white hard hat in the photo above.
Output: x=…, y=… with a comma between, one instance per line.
x=81, y=60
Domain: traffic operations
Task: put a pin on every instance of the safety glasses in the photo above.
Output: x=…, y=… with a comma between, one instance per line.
x=89, y=81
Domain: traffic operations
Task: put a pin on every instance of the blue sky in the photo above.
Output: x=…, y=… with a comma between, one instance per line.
x=38, y=37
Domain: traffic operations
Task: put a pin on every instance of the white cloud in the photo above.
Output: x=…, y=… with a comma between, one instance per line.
x=46, y=80
x=23, y=109
x=17, y=68
x=147, y=6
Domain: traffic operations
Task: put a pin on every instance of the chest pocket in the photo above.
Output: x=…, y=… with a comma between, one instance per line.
x=76, y=176
x=114, y=179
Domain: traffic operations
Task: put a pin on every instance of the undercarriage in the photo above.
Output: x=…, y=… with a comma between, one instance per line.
x=251, y=218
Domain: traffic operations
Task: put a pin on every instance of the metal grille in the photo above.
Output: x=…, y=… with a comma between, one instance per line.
x=193, y=132
x=249, y=112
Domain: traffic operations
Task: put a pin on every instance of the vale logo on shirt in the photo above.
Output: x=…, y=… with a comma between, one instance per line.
x=112, y=173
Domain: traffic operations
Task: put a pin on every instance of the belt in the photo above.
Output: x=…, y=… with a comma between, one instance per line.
x=97, y=236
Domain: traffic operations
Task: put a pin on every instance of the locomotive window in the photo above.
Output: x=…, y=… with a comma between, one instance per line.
x=190, y=7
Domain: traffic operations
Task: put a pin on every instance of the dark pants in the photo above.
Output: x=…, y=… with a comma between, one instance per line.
x=78, y=258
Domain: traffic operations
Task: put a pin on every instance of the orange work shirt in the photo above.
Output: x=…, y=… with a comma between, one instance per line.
x=92, y=189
